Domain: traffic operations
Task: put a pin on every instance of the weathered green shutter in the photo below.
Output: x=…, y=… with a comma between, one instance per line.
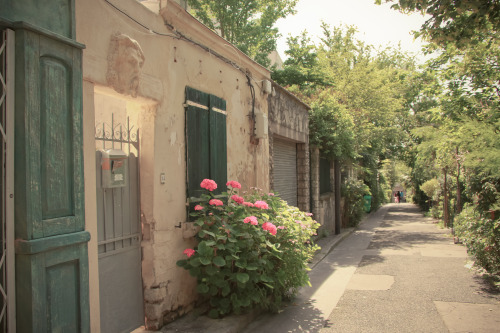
x=206, y=147
x=197, y=143
x=218, y=144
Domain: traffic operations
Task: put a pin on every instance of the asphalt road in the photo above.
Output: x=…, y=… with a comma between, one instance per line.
x=398, y=272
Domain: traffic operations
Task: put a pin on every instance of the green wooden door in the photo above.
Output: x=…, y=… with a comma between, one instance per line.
x=51, y=248
x=51, y=270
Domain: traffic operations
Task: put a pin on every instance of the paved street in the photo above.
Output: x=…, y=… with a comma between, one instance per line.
x=398, y=272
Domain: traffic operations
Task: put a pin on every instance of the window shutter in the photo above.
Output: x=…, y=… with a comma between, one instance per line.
x=218, y=143
x=197, y=145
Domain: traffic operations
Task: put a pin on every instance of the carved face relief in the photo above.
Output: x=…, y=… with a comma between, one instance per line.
x=125, y=60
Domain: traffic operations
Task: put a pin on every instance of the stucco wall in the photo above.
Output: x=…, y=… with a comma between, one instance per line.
x=170, y=64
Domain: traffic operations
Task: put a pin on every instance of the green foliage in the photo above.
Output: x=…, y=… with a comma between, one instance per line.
x=481, y=235
x=247, y=256
x=353, y=191
x=455, y=22
x=431, y=188
x=246, y=24
x=331, y=127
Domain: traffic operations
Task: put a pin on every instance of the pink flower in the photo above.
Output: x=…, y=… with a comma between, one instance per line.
x=269, y=227
x=309, y=214
x=281, y=227
x=208, y=184
x=271, y=194
x=189, y=252
x=198, y=207
x=261, y=205
x=248, y=204
x=215, y=202
x=238, y=199
x=251, y=219
x=233, y=184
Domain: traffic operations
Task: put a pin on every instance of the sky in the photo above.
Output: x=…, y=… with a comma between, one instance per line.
x=377, y=25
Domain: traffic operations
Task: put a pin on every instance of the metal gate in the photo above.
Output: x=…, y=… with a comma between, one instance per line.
x=7, y=255
x=119, y=235
x=285, y=170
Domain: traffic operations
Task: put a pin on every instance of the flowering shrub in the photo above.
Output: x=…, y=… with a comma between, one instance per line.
x=252, y=252
x=482, y=238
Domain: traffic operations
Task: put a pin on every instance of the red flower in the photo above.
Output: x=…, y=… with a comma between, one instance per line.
x=238, y=199
x=251, y=219
x=248, y=204
x=208, y=184
x=233, y=184
x=261, y=205
x=198, y=207
x=215, y=202
x=189, y=252
x=269, y=227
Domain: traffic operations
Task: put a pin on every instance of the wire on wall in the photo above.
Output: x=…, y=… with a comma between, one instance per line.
x=180, y=36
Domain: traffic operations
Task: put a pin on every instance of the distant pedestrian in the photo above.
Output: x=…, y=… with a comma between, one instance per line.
x=396, y=197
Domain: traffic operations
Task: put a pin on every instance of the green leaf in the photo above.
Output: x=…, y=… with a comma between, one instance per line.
x=204, y=249
x=210, y=233
x=211, y=270
x=242, y=277
x=214, y=314
x=202, y=288
x=268, y=285
x=195, y=271
x=181, y=263
x=219, y=261
x=251, y=268
x=195, y=262
x=205, y=261
x=266, y=278
x=226, y=290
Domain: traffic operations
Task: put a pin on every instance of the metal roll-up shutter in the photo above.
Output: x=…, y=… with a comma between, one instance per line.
x=285, y=170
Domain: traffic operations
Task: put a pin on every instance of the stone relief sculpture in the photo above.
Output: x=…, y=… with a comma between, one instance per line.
x=125, y=60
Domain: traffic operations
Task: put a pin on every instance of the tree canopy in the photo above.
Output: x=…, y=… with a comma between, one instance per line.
x=247, y=24
x=457, y=21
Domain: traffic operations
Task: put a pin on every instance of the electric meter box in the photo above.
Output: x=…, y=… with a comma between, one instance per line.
x=114, y=168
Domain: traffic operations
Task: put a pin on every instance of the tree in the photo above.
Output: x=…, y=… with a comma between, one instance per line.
x=457, y=21
x=247, y=24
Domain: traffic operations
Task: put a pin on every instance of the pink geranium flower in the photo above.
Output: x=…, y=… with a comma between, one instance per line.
x=281, y=227
x=309, y=214
x=261, y=204
x=251, y=219
x=233, y=184
x=208, y=184
x=189, y=252
x=198, y=207
x=248, y=204
x=269, y=227
x=237, y=199
x=215, y=202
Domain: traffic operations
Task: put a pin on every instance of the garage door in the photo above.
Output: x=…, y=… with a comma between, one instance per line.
x=285, y=170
